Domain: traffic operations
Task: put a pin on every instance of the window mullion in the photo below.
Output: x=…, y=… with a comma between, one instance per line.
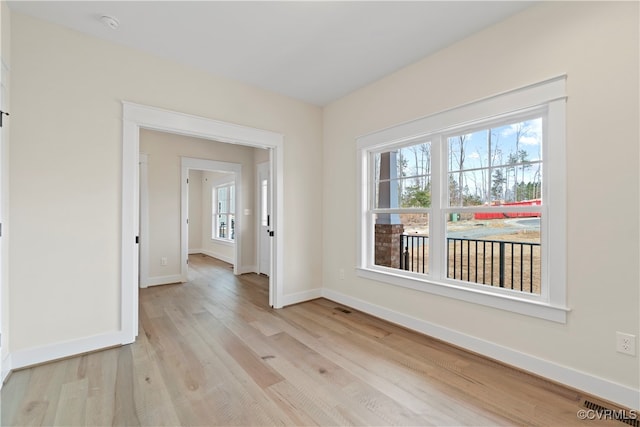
x=436, y=230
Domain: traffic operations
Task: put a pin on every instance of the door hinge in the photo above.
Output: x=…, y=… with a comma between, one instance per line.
x=187, y=180
x=137, y=239
x=271, y=234
x=187, y=220
x=187, y=260
x=0, y=229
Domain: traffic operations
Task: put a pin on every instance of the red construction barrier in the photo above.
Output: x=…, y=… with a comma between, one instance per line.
x=499, y=215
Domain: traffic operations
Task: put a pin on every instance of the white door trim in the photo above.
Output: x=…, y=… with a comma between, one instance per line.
x=137, y=116
x=143, y=277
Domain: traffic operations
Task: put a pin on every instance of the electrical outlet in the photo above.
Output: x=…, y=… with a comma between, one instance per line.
x=626, y=343
x=163, y=260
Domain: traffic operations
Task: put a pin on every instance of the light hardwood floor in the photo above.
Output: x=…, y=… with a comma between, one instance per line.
x=211, y=352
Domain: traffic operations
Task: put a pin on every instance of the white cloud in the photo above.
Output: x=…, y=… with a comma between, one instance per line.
x=508, y=131
x=530, y=140
x=533, y=127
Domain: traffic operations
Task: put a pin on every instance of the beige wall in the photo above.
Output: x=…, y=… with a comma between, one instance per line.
x=596, y=44
x=5, y=31
x=66, y=172
x=195, y=211
x=261, y=156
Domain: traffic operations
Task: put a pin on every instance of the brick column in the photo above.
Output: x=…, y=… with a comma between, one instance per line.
x=387, y=244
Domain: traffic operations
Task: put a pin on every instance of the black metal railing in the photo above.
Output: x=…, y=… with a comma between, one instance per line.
x=512, y=265
x=414, y=250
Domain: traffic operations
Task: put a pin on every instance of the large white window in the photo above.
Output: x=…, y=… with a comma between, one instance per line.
x=223, y=224
x=470, y=203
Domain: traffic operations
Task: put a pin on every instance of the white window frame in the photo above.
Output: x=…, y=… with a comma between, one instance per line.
x=214, y=211
x=547, y=97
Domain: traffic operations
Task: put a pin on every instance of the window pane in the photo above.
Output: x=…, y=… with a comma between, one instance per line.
x=402, y=177
x=222, y=199
x=468, y=188
x=232, y=198
x=497, y=165
x=499, y=249
x=415, y=193
x=501, y=187
x=518, y=143
x=223, y=226
x=402, y=241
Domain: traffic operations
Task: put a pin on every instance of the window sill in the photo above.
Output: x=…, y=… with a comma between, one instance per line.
x=514, y=304
x=225, y=242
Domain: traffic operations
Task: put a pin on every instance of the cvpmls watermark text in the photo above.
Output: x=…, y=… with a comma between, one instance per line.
x=607, y=414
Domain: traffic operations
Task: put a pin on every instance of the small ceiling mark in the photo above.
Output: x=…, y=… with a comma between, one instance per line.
x=110, y=21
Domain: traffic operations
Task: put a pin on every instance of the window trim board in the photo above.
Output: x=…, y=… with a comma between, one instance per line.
x=513, y=304
x=527, y=97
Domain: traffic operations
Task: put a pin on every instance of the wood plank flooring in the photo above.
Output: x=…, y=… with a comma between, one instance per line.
x=211, y=352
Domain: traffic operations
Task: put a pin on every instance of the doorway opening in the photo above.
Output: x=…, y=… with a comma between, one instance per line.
x=221, y=222
x=190, y=207
x=136, y=117
x=213, y=215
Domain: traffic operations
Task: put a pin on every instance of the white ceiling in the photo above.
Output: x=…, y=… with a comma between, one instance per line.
x=313, y=51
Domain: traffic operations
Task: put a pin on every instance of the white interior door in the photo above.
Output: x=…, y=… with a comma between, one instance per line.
x=264, y=228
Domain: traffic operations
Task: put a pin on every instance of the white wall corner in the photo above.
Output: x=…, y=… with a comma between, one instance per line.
x=609, y=390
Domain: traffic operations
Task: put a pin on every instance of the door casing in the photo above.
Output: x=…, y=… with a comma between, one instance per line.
x=135, y=117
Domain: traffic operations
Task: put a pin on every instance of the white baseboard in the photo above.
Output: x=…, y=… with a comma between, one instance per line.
x=609, y=390
x=59, y=350
x=299, y=297
x=244, y=269
x=163, y=280
x=217, y=256
x=194, y=251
